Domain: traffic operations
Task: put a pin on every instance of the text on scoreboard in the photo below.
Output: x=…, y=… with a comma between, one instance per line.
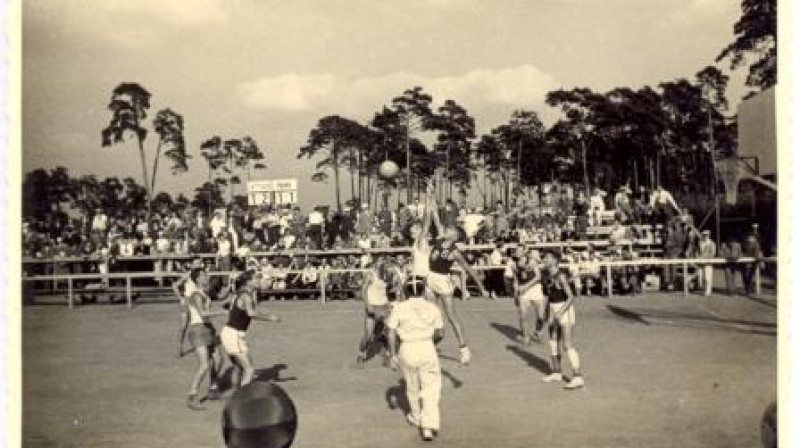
x=275, y=191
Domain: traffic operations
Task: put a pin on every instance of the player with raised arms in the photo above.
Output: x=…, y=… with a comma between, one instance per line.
x=443, y=255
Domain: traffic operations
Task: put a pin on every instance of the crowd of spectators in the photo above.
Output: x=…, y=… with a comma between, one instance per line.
x=268, y=237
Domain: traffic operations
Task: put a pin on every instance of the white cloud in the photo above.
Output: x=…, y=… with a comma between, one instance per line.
x=510, y=87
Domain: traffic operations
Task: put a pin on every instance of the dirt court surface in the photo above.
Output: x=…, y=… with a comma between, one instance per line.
x=661, y=371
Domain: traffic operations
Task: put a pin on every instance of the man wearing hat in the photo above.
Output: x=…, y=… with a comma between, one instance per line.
x=707, y=249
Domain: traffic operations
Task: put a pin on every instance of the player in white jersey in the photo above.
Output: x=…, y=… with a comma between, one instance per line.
x=529, y=295
x=417, y=324
x=374, y=292
x=202, y=335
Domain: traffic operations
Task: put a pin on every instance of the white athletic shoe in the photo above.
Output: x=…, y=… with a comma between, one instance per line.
x=413, y=421
x=427, y=434
x=465, y=356
x=553, y=377
x=575, y=383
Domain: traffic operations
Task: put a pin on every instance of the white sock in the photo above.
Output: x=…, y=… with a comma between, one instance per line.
x=574, y=360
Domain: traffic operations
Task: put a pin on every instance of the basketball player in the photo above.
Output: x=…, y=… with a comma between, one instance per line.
x=443, y=254
x=530, y=295
x=202, y=336
x=417, y=324
x=376, y=308
x=189, y=288
x=558, y=293
x=243, y=310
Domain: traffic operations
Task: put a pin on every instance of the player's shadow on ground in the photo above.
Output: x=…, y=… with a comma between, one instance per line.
x=534, y=361
x=225, y=381
x=396, y=395
x=508, y=331
x=693, y=320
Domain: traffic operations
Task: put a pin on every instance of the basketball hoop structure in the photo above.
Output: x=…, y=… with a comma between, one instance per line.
x=731, y=171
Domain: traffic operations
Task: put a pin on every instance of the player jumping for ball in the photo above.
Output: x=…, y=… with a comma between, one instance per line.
x=243, y=310
x=443, y=254
x=558, y=293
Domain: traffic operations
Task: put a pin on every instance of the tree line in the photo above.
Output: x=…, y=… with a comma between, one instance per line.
x=669, y=134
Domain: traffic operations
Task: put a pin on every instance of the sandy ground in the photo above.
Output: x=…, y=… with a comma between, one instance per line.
x=661, y=371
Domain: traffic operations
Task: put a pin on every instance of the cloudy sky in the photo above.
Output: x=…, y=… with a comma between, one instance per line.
x=272, y=68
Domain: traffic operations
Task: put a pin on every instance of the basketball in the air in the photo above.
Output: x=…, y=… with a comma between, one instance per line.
x=259, y=415
x=388, y=169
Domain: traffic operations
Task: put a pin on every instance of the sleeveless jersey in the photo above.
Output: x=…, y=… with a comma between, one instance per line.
x=376, y=292
x=525, y=273
x=238, y=319
x=442, y=258
x=420, y=263
x=552, y=288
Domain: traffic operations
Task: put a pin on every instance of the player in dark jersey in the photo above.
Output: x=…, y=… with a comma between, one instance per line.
x=558, y=293
x=443, y=255
x=243, y=310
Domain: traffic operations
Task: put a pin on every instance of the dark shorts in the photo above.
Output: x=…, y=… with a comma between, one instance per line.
x=203, y=335
x=379, y=312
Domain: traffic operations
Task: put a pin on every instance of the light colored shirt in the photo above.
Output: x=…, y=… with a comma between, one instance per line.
x=472, y=223
x=415, y=320
x=316, y=218
x=708, y=249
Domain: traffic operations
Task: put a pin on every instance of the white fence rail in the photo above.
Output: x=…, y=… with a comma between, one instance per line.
x=128, y=277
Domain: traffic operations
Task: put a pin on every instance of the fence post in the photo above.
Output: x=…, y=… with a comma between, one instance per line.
x=128, y=295
x=69, y=292
x=758, y=277
x=323, y=276
x=609, y=282
x=685, y=279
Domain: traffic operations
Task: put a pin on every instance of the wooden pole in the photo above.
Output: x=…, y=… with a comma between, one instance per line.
x=685, y=279
x=69, y=293
x=128, y=293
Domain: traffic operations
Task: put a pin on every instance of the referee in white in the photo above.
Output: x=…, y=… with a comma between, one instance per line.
x=417, y=324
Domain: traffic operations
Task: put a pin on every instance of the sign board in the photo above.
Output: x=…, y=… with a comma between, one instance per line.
x=275, y=191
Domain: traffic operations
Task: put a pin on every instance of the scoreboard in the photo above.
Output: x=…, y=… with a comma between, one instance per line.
x=275, y=192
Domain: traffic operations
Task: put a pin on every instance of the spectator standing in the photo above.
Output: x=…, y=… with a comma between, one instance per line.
x=316, y=221
x=597, y=205
x=675, y=243
x=731, y=250
x=404, y=220
x=708, y=249
x=581, y=211
x=663, y=205
x=385, y=220
x=751, y=248
x=622, y=205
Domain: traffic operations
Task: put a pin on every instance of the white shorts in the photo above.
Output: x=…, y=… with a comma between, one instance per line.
x=533, y=294
x=568, y=318
x=233, y=341
x=441, y=284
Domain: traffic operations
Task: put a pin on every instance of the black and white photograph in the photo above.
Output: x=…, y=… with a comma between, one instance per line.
x=370, y=223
